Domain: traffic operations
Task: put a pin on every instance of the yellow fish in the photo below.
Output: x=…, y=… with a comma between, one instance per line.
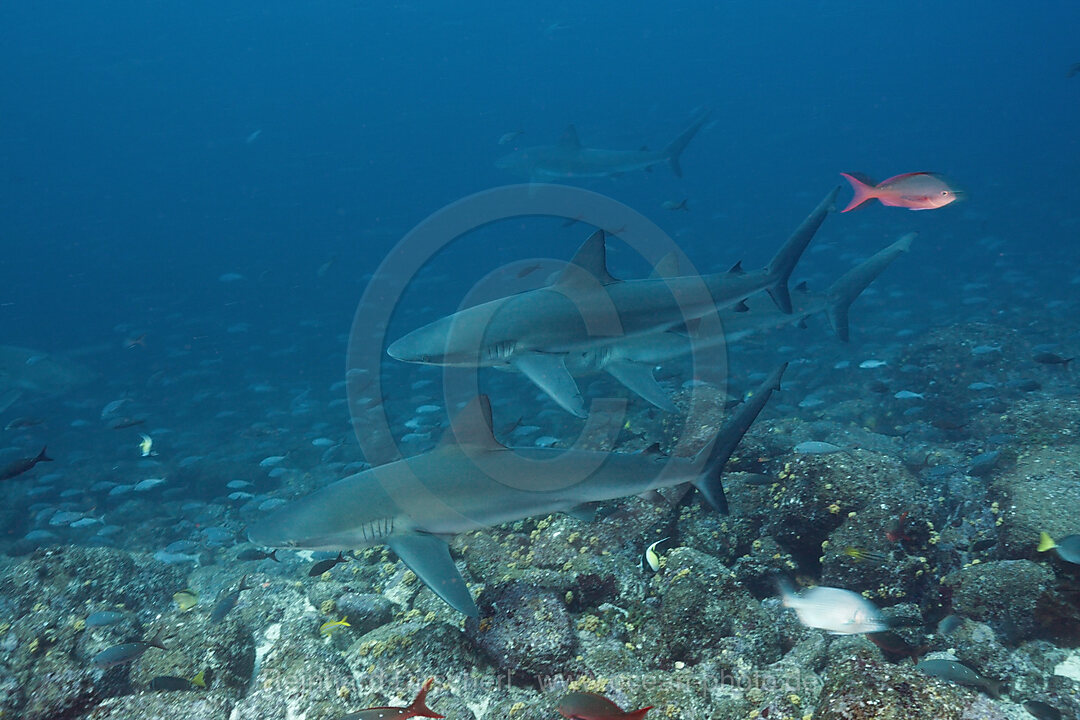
x=329, y=627
x=859, y=554
x=651, y=557
x=200, y=679
x=146, y=445
x=185, y=599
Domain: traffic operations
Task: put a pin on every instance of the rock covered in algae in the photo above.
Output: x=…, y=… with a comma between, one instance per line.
x=858, y=688
x=524, y=630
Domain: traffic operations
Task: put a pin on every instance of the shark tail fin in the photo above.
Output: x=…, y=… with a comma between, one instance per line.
x=715, y=455
x=42, y=457
x=419, y=707
x=787, y=257
x=676, y=147
x=842, y=293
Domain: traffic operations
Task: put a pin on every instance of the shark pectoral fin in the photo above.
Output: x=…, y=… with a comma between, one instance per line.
x=429, y=557
x=639, y=378
x=548, y=372
x=585, y=512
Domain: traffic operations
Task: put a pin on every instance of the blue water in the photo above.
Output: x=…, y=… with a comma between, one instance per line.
x=128, y=182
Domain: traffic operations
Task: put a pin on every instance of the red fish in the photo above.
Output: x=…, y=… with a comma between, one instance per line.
x=590, y=706
x=914, y=191
x=416, y=709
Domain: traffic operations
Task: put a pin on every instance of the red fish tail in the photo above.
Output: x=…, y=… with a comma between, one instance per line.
x=418, y=706
x=863, y=192
x=638, y=714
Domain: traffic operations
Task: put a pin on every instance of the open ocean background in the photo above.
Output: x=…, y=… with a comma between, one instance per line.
x=129, y=187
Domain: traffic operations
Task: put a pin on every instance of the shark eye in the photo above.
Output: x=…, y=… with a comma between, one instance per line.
x=944, y=193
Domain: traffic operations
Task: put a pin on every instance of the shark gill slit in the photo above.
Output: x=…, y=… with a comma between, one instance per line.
x=377, y=528
x=500, y=351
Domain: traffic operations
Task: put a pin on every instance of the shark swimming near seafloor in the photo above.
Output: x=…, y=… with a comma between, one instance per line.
x=631, y=360
x=471, y=481
x=569, y=159
x=586, y=308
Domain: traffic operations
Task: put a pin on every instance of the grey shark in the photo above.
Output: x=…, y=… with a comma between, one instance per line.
x=471, y=481
x=585, y=308
x=631, y=360
x=569, y=159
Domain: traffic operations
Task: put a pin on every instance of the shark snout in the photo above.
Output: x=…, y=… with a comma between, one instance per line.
x=397, y=350
x=410, y=349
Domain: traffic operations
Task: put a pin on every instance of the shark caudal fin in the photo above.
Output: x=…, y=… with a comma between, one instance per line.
x=850, y=285
x=715, y=455
x=676, y=147
x=787, y=257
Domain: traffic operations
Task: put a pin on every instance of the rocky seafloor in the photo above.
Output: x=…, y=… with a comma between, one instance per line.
x=934, y=516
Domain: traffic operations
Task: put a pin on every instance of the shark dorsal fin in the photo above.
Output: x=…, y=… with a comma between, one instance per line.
x=741, y=307
x=569, y=138
x=472, y=426
x=667, y=266
x=590, y=257
x=802, y=287
x=736, y=269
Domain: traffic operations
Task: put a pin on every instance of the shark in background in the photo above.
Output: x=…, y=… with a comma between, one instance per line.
x=569, y=159
x=26, y=371
x=471, y=481
x=585, y=308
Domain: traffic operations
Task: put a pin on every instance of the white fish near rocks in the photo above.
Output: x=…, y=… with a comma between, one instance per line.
x=271, y=461
x=908, y=395
x=816, y=447
x=838, y=611
x=872, y=364
x=148, y=484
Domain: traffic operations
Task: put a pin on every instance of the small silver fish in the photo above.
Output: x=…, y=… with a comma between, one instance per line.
x=509, y=137
x=816, y=447
x=908, y=395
